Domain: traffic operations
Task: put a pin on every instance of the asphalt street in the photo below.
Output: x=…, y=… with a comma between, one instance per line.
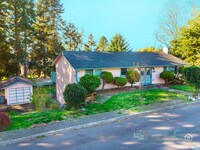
x=177, y=128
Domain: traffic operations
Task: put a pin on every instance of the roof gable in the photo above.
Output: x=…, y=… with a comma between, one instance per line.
x=91, y=60
x=14, y=80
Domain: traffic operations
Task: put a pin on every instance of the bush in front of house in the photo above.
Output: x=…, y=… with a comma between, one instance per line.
x=90, y=82
x=41, y=98
x=180, y=70
x=120, y=81
x=107, y=78
x=167, y=75
x=74, y=95
x=54, y=106
x=4, y=121
x=192, y=77
x=132, y=76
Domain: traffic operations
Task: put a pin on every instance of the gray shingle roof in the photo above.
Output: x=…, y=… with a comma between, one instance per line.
x=14, y=80
x=92, y=60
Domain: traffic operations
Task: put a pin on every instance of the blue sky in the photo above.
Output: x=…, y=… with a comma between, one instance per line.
x=135, y=19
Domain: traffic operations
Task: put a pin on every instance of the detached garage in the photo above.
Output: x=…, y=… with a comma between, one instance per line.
x=17, y=90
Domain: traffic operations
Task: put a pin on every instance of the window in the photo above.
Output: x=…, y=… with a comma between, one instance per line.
x=142, y=71
x=171, y=68
x=97, y=72
x=89, y=71
x=123, y=71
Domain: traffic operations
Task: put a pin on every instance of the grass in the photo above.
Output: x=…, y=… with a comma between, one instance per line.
x=32, y=118
x=185, y=88
x=116, y=102
x=133, y=99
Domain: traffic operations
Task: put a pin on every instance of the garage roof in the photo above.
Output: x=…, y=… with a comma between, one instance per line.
x=13, y=80
x=91, y=60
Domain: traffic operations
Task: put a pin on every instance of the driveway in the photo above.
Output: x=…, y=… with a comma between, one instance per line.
x=167, y=130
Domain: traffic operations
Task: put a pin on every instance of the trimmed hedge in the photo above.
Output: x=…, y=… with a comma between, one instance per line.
x=90, y=82
x=120, y=81
x=132, y=76
x=74, y=95
x=107, y=78
x=167, y=75
x=192, y=77
x=180, y=70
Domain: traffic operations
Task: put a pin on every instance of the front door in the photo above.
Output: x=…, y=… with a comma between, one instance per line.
x=146, y=76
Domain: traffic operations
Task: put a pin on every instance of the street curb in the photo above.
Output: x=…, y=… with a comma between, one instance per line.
x=93, y=124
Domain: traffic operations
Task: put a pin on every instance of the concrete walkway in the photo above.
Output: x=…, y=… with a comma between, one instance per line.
x=176, y=91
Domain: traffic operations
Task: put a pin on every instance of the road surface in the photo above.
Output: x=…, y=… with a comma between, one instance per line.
x=167, y=130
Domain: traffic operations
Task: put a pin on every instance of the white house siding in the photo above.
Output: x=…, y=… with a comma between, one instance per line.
x=156, y=76
x=26, y=89
x=65, y=74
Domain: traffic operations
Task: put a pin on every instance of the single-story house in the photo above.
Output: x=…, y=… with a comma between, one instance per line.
x=72, y=65
x=17, y=90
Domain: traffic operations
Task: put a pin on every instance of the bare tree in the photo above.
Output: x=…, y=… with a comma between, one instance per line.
x=174, y=15
x=169, y=25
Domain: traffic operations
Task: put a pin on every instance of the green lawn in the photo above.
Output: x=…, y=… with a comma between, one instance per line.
x=185, y=88
x=26, y=120
x=116, y=102
x=133, y=99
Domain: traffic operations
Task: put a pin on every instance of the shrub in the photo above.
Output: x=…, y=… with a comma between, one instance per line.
x=132, y=76
x=107, y=78
x=167, y=75
x=54, y=106
x=180, y=70
x=192, y=77
x=120, y=81
x=74, y=95
x=4, y=121
x=90, y=82
x=41, y=98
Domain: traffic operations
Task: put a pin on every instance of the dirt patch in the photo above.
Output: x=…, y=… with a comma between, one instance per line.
x=17, y=108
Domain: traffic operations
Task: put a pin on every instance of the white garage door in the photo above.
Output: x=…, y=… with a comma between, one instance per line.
x=19, y=95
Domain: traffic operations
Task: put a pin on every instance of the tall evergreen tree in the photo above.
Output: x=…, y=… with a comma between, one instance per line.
x=27, y=20
x=90, y=45
x=73, y=38
x=103, y=44
x=14, y=26
x=47, y=42
x=20, y=18
x=7, y=66
x=57, y=24
x=40, y=53
x=118, y=44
